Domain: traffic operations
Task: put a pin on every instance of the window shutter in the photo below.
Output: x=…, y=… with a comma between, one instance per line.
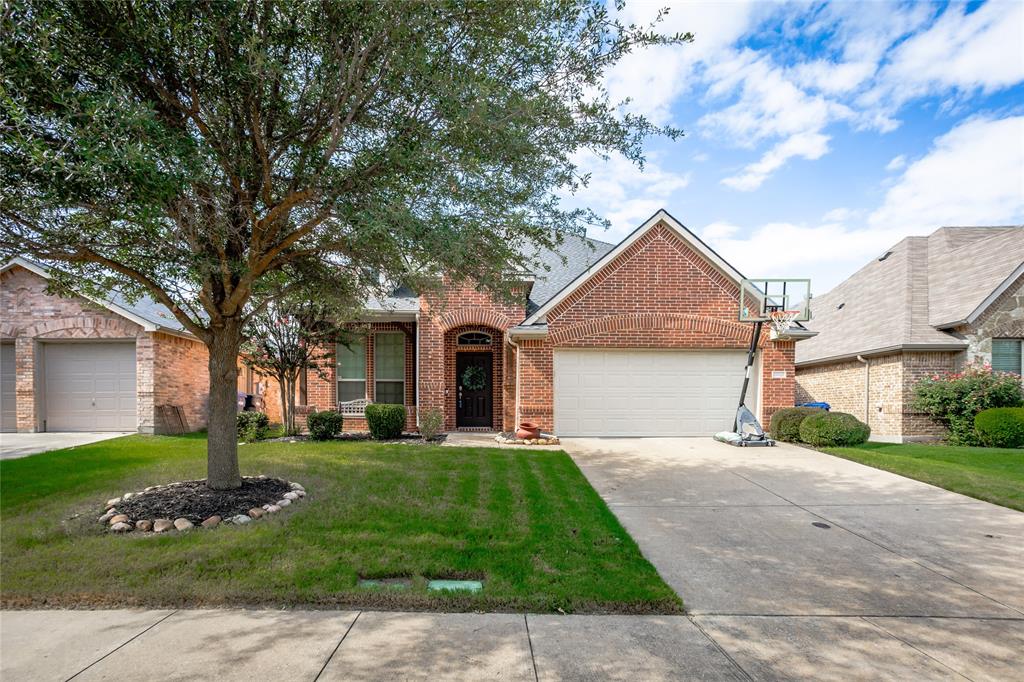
x=1006, y=355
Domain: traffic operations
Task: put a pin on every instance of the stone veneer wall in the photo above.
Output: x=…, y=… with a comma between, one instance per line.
x=1003, y=319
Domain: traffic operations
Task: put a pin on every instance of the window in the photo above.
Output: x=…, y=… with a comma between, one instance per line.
x=389, y=368
x=1006, y=355
x=474, y=339
x=351, y=371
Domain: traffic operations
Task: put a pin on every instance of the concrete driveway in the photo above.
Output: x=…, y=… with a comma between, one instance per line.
x=15, y=445
x=800, y=564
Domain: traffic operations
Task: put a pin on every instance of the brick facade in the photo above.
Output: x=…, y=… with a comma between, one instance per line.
x=169, y=369
x=893, y=376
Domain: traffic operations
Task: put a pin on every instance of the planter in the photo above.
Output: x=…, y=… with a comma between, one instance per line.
x=528, y=430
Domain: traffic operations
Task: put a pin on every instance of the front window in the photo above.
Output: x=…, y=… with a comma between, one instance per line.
x=474, y=339
x=351, y=371
x=389, y=368
x=1006, y=355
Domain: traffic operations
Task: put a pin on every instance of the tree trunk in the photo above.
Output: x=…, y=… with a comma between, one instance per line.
x=222, y=441
x=292, y=380
x=287, y=417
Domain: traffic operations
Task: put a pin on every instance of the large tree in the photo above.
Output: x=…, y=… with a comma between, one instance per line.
x=206, y=153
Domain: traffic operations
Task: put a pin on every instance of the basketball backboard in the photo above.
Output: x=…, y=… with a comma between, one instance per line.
x=759, y=298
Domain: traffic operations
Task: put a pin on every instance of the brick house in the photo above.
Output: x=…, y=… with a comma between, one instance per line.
x=639, y=338
x=927, y=305
x=74, y=364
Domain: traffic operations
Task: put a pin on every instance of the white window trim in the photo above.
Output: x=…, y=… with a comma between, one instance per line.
x=343, y=380
x=376, y=366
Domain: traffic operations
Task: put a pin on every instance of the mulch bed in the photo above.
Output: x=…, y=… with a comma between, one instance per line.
x=194, y=501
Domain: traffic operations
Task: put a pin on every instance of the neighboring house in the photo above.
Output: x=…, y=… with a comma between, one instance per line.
x=72, y=364
x=635, y=339
x=925, y=306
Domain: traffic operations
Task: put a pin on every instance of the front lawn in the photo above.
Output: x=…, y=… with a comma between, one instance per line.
x=992, y=474
x=525, y=522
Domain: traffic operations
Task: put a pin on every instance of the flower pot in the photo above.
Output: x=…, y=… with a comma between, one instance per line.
x=528, y=430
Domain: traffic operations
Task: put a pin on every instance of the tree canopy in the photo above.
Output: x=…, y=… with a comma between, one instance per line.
x=207, y=154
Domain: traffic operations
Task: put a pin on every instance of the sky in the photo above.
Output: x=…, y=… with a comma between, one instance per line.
x=819, y=134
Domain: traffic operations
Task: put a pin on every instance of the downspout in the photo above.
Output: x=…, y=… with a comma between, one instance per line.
x=508, y=337
x=867, y=388
x=417, y=370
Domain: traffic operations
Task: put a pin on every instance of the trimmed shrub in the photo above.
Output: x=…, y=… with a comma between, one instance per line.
x=385, y=421
x=324, y=425
x=1000, y=427
x=826, y=429
x=431, y=423
x=785, y=424
x=252, y=426
x=954, y=399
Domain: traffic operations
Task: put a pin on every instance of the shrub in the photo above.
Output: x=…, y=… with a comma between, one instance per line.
x=785, y=424
x=252, y=426
x=324, y=425
x=1000, y=427
x=385, y=421
x=954, y=399
x=833, y=428
x=431, y=423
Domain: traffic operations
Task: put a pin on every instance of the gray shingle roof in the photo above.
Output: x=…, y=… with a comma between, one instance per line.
x=924, y=282
x=554, y=273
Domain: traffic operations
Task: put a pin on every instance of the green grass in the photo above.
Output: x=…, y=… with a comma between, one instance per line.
x=992, y=474
x=526, y=522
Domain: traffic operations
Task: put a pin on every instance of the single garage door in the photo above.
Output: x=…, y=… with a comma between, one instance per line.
x=648, y=393
x=90, y=386
x=8, y=381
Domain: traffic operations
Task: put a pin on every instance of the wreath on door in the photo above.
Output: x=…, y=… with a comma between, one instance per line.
x=474, y=378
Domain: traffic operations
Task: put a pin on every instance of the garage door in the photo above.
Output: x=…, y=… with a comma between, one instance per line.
x=8, y=411
x=648, y=393
x=90, y=386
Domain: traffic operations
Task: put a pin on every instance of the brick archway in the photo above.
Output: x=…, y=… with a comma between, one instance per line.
x=474, y=316
x=83, y=328
x=683, y=325
x=497, y=350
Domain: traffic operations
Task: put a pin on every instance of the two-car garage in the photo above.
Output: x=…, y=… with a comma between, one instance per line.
x=635, y=392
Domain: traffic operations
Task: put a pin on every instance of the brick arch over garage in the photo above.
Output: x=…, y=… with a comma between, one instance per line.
x=8, y=331
x=83, y=327
x=474, y=316
x=654, y=330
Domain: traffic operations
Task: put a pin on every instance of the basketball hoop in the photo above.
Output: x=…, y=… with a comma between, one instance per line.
x=781, y=319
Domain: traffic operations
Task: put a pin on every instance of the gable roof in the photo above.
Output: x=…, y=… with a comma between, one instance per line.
x=906, y=297
x=663, y=217
x=145, y=312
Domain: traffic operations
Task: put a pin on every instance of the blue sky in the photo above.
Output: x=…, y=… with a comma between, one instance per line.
x=818, y=134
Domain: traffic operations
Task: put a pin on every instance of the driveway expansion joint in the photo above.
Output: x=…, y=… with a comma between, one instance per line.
x=122, y=645
x=906, y=643
x=337, y=646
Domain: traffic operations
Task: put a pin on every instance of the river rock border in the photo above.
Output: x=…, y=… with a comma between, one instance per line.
x=117, y=522
x=510, y=439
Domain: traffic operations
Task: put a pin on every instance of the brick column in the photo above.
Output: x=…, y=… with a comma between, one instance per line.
x=25, y=392
x=777, y=392
x=145, y=383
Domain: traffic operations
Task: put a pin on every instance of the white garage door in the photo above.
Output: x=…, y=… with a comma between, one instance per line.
x=90, y=386
x=648, y=393
x=9, y=420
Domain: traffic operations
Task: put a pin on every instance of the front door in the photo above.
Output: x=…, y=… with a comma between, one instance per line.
x=474, y=398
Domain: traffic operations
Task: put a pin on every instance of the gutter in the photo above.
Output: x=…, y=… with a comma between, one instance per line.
x=882, y=351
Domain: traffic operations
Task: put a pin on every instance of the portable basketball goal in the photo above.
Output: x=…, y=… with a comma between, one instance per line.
x=782, y=303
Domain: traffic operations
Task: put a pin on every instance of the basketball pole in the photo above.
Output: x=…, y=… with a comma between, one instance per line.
x=746, y=374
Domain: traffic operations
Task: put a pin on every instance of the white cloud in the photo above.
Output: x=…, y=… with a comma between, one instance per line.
x=719, y=231
x=974, y=175
x=804, y=145
x=961, y=51
x=701, y=157
x=624, y=194
x=839, y=215
x=897, y=163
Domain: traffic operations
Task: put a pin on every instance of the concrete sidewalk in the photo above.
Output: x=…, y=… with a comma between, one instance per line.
x=352, y=645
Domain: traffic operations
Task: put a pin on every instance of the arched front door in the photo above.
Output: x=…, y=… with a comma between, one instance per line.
x=474, y=380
